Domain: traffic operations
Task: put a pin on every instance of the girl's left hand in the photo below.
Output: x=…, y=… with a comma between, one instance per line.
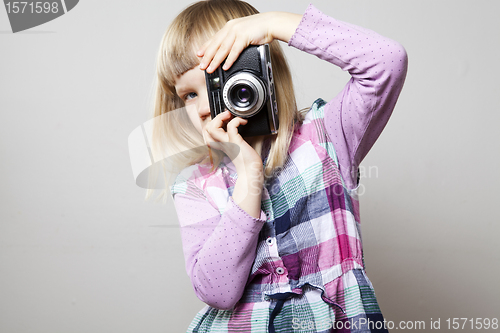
x=239, y=33
x=224, y=129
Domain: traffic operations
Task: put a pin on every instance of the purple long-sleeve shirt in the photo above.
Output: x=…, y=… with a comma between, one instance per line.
x=355, y=117
x=219, y=238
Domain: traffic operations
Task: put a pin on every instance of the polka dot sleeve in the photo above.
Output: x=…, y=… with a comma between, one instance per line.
x=355, y=118
x=219, y=249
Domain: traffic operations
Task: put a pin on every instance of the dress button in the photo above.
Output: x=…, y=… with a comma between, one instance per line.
x=280, y=270
x=270, y=241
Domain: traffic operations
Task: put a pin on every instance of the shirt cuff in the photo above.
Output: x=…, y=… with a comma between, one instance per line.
x=309, y=21
x=244, y=220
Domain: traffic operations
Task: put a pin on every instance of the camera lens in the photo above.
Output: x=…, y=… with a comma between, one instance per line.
x=242, y=95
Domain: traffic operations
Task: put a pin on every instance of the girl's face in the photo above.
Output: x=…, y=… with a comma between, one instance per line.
x=191, y=88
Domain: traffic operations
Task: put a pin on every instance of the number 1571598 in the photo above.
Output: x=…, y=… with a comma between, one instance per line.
x=38, y=7
x=472, y=323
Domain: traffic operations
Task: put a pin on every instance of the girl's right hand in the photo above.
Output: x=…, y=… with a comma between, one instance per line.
x=239, y=33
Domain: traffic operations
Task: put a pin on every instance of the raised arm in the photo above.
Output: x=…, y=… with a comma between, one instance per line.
x=355, y=118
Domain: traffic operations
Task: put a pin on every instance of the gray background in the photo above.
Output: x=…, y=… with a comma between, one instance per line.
x=80, y=249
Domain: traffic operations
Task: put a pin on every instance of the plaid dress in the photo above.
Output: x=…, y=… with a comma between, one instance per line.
x=299, y=267
x=308, y=273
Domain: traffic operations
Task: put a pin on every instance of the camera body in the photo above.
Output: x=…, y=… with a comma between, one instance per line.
x=247, y=91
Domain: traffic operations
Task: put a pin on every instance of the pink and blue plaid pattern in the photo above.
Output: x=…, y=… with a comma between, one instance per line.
x=312, y=218
x=309, y=245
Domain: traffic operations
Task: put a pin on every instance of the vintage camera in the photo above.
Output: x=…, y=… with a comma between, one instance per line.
x=247, y=91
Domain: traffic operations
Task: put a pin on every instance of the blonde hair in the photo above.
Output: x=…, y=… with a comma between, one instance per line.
x=174, y=134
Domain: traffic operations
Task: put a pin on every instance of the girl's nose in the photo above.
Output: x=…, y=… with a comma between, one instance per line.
x=203, y=106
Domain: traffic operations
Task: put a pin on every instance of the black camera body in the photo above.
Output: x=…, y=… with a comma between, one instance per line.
x=247, y=91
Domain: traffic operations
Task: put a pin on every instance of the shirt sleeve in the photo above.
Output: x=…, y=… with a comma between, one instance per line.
x=355, y=118
x=219, y=249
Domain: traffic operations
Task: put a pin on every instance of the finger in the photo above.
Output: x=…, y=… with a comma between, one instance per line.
x=217, y=135
x=214, y=135
x=201, y=51
x=221, y=54
x=214, y=130
x=232, y=129
x=207, y=57
x=207, y=52
x=220, y=120
x=207, y=137
x=238, y=47
x=211, y=46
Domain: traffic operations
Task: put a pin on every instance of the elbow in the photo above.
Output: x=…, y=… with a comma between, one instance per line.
x=217, y=291
x=219, y=298
x=394, y=66
x=399, y=60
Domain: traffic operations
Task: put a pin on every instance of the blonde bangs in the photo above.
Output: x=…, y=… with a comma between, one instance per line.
x=187, y=33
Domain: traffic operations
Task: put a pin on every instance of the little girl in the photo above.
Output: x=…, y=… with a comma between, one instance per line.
x=271, y=236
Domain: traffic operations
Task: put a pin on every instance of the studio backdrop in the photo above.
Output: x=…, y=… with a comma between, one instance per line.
x=82, y=251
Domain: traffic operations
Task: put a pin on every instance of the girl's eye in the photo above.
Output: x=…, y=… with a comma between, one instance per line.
x=189, y=96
